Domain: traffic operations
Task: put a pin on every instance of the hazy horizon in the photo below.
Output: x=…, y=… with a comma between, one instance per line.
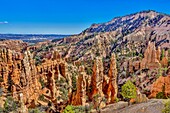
x=67, y=17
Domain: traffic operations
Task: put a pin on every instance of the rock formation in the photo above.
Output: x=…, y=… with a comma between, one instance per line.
x=16, y=45
x=80, y=96
x=151, y=58
x=19, y=74
x=164, y=61
x=103, y=86
x=158, y=86
x=97, y=94
x=51, y=84
x=112, y=88
x=97, y=78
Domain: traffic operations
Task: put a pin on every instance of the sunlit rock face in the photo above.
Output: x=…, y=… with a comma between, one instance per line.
x=162, y=83
x=110, y=87
x=79, y=97
x=19, y=74
x=96, y=81
x=16, y=45
x=112, y=80
x=151, y=58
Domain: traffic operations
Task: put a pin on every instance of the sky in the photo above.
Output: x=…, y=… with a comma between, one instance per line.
x=67, y=16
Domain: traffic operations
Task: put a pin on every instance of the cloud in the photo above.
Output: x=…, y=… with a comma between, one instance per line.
x=5, y=22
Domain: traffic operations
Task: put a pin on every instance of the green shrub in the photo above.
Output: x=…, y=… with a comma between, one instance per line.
x=41, y=97
x=10, y=105
x=162, y=54
x=78, y=109
x=128, y=90
x=160, y=95
x=1, y=110
x=68, y=109
x=89, y=71
x=117, y=99
x=74, y=82
x=36, y=110
x=82, y=109
x=168, y=62
x=166, y=107
x=160, y=71
x=42, y=82
x=38, y=60
x=63, y=87
x=140, y=55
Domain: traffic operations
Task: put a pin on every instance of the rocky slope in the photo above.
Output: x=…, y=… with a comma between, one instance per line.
x=140, y=42
x=118, y=35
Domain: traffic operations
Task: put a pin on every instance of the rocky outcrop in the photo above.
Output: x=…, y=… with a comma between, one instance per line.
x=164, y=61
x=159, y=84
x=16, y=45
x=96, y=83
x=112, y=88
x=151, y=58
x=133, y=66
x=104, y=86
x=51, y=84
x=97, y=78
x=79, y=97
x=51, y=73
x=19, y=74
